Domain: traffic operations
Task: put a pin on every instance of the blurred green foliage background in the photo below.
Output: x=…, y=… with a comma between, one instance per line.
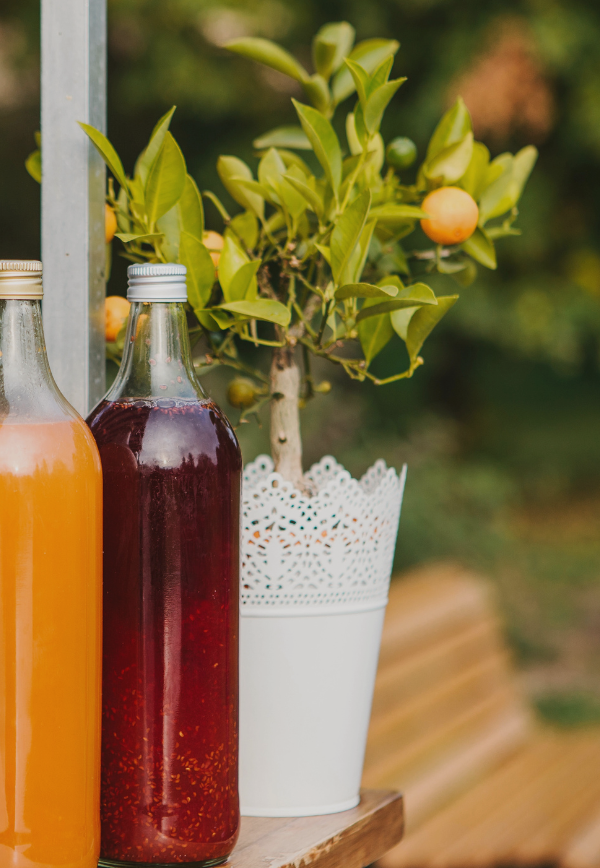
x=501, y=427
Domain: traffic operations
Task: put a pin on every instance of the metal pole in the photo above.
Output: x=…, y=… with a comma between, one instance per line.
x=73, y=186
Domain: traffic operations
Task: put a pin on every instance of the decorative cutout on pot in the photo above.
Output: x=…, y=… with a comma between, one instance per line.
x=333, y=549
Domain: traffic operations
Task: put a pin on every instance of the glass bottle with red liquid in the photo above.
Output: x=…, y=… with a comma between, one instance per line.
x=172, y=473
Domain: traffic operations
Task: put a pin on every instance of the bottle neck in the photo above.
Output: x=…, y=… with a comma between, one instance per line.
x=157, y=360
x=28, y=392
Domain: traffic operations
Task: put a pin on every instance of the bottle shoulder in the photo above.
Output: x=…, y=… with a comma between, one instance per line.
x=62, y=444
x=166, y=432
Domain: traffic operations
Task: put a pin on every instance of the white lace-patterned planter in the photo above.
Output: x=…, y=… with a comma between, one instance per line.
x=315, y=577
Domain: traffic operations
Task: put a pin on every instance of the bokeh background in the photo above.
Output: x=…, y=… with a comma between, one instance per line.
x=501, y=427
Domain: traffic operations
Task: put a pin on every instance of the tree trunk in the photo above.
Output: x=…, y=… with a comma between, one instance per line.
x=286, y=443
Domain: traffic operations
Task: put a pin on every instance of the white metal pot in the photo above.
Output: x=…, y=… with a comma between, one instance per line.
x=315, y=579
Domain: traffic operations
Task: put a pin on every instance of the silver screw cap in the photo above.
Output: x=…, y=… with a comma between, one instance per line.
x=21, y=278
x=149, y=281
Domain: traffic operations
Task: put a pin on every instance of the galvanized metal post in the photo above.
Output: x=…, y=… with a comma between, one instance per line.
x=73, y=186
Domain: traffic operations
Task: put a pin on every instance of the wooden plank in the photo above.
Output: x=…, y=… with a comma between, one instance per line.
x=413, y=675
x=351, y=839
x=583, y=851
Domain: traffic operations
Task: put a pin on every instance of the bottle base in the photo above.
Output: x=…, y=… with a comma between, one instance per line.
x=206, y=863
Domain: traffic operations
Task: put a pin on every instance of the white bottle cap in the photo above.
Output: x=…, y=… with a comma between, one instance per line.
x=157, y=282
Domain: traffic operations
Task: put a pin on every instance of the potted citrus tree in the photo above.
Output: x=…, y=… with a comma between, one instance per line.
x=315, y=264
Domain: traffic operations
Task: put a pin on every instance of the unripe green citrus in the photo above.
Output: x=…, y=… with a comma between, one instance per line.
x=401, y=153
x=241, y=393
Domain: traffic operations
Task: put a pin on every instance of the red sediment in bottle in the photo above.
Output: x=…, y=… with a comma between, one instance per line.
x=172, y=472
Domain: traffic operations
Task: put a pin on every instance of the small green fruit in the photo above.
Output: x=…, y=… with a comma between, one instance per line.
x=241, y=393
x=401, y=153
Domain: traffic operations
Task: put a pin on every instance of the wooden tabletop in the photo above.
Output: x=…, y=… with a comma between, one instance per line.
x=351, y=839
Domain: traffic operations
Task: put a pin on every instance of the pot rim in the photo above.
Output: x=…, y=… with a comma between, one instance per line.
x=284, y=611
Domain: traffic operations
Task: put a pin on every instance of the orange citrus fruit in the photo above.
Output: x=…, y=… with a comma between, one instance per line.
x=117, y=311
x=453, y=215
x=110, y=223
x=214, y=244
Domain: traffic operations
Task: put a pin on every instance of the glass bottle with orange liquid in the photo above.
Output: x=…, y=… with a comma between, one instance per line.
x=172, y=472
x=50, y=600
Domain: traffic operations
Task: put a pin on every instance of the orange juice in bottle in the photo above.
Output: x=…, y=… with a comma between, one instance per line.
x=50, y=600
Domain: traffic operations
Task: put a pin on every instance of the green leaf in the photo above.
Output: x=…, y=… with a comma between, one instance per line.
x=380, y=75
x=361, y=79
x=393, y=304
x=261, y=308
x=310, y=195
x=392, y=213
x=506, y=191
x=213, y=315
x=243, y=283
x=166, y=180
x=200, y=270
x=323, y=56
x=365, y=290
x=481, y=248
x=33, y=164
x=326, y=251
x=275, y=222
x=230, y=170
x=136, y=193
x=452, y=162
x=190, y=210
x=447, y=266
x=254, y=187
x=271, y=170
x=324, y=142
x=245, y=227
x=331, y=45
x=474, y=179
x=318, y=93
x=452, y=128
x=168, y=224
x=107, y=152
x=418, y=292
x=369, y=54
x=126, y=237
x=378, y=102
x=362, y=133
x=424, y=321
x=374, y=333
x=354, y=142
x=231, y=260
x=149, y=154
x=494, y=232
x=267, y=52
x=497, y=197
x=392, y=280
x=358, y=259
x=210, y=321
x=346, y=234
x=284, y=137
x=496, y=168
x=292, y=159
x=523, y=164
x=293, y=199
x=400, y=320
